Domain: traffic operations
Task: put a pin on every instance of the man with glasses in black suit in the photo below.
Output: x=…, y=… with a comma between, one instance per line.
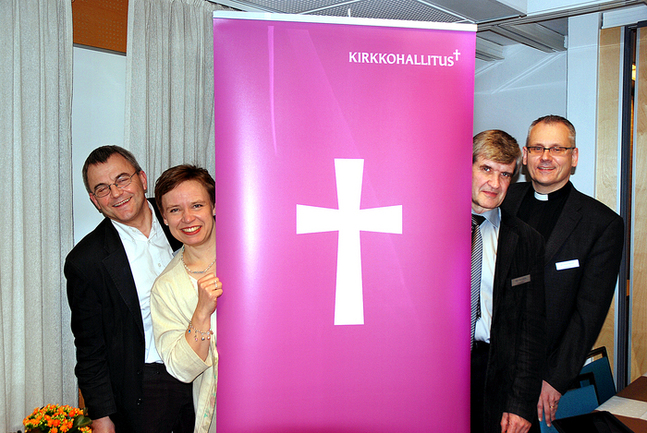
x=584, y=241
x=110, y=273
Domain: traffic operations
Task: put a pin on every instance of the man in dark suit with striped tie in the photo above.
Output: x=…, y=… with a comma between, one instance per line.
x=508, y=319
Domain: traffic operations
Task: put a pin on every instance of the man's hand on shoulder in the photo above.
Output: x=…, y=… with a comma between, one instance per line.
x=103, y=425
x=512, y=423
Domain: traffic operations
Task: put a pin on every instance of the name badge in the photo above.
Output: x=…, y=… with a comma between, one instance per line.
x=568, y=264
x=521, y=280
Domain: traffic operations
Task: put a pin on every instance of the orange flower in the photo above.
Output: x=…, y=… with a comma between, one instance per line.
x=58, y=419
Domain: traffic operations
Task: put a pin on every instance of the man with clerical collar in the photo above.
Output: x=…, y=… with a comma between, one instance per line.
x=508, y=321
x=584, y=241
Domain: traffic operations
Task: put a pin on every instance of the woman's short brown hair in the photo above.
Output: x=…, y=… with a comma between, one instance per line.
x=182, y=173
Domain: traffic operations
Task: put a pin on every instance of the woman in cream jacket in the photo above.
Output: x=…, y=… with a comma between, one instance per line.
x=185, y=295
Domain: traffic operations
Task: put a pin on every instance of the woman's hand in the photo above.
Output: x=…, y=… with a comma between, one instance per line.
x=209, y=290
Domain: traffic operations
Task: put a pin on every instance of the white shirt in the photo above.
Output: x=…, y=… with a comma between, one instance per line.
x=490, y=235
x=147, y=258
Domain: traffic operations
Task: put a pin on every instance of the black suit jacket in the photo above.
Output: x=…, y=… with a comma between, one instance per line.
x=517, y=334
x=107, y=325
x=586, y=244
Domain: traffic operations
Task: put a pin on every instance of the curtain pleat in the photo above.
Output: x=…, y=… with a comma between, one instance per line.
x=36, y=345
x=169, y=84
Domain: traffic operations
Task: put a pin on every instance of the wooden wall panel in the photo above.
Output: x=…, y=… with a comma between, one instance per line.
x=101, y=23
x=606, y=180
x=638, y=341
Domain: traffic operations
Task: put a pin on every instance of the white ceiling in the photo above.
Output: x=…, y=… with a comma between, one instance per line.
x=541, y=24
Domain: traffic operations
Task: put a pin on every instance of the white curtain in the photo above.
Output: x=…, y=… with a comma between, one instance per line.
x=36, y=346
x=169, y=84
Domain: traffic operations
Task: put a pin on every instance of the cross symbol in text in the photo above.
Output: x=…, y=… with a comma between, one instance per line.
x=349, y=220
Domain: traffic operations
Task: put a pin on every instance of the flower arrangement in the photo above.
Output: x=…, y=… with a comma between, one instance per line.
x=54, y=418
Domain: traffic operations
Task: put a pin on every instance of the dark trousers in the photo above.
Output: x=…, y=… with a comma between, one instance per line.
x=168, y=403
x=479, y=355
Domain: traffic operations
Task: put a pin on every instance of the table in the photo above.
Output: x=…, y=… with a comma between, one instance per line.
x=630, y=405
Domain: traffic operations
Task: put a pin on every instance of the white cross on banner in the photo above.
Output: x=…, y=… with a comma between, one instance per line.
x=349, y=220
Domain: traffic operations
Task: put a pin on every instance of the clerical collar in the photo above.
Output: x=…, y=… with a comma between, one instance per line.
x=555, y=194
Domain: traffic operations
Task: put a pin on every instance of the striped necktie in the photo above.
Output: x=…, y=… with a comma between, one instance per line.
x=477, y=258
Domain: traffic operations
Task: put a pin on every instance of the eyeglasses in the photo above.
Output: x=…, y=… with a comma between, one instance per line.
x=554, y=151
x=122, y=181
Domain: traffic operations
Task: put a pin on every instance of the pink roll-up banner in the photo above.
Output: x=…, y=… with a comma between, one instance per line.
x=343, y=172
